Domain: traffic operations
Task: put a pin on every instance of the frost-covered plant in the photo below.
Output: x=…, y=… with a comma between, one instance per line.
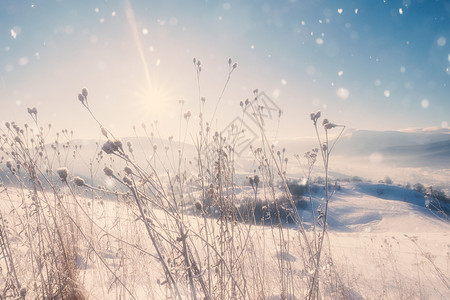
x=326, y=148
x=40, y=220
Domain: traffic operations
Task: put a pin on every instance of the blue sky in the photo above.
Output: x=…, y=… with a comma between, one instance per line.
x=380, y=65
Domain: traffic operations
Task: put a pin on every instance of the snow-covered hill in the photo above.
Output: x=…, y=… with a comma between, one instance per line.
x=382, y=243
x=373, y=207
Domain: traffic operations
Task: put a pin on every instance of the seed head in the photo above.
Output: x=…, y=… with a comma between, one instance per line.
x=130, y=147
x=198, y=205
x=118, y=144
x=62, y=173
x=127, y=180
x=256, y=180
x=84, y=92
x=318, y=114
x=109, y=147
x=128, y=170
x=23, y=292
x=104, y=132
x=315, y=116
x=328, y=126
x=79, y=181
x=108, y=171
x=81, y=98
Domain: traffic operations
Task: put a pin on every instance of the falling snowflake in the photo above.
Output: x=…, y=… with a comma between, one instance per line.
x=23, y=61
x=343, y=93
x=387, y=93
x=15, y=31
x=441, y=41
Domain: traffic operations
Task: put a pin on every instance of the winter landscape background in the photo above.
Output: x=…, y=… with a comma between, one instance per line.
x=139, y=161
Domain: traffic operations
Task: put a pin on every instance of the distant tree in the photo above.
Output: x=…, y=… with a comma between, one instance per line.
x=388, y=180
x=440, y=195
x=356, y=179
x=297, y=190
x=420, y=188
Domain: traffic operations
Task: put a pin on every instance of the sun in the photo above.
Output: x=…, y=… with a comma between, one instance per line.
x=153, y=101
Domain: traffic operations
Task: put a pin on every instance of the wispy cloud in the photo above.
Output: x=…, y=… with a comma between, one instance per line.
x=433, y=129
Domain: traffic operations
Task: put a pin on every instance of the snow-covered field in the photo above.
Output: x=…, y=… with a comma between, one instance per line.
x=382, y=243
x=388, y=245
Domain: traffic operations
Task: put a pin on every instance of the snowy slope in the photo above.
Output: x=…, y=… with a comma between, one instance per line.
x=383, y=243
x=389, y=243
x=381, y=208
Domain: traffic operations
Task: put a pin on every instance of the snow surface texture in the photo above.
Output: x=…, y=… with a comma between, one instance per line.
x=383, y=244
